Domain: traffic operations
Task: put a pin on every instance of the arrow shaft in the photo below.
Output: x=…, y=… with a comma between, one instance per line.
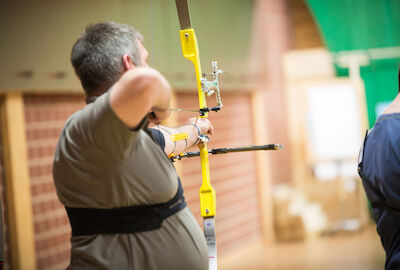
x=217, y=151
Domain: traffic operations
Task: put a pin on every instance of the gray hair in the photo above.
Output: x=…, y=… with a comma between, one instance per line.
x=97, y=54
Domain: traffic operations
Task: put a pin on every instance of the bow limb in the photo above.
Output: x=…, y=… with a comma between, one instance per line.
x=190, y=51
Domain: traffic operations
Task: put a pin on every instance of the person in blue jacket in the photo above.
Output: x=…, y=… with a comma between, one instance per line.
x=379, y=168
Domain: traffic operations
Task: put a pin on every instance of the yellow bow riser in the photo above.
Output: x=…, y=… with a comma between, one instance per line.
x=207, y=193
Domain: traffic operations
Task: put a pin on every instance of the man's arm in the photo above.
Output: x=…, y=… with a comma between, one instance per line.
x=193, y=127
x=137, y=93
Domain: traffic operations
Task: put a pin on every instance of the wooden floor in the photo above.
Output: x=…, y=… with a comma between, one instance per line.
x=355, y=251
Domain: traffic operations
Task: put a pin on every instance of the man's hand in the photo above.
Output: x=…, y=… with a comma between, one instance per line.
x=203, y=124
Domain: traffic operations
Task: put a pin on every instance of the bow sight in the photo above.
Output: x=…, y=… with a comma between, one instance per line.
x=209, y=87
x=212, y=87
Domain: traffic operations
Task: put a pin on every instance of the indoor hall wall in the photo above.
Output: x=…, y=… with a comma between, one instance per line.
x=279, y=26
x=233, y=175
x=6, y=248
x=45, y=116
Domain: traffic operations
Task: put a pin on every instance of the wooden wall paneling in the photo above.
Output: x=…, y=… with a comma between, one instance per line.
x=300, y=65
x=264, y=182
x=362, y=106
x=16, y=174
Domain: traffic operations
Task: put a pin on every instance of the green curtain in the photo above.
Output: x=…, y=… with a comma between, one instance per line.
x=359, y=25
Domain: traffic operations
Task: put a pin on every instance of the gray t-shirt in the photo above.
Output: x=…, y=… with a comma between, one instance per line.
x=100, y=163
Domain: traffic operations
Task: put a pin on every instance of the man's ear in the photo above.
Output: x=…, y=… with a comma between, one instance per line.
x=127, y=62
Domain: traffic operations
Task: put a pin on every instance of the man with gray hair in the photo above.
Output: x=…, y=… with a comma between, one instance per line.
x=122, y=194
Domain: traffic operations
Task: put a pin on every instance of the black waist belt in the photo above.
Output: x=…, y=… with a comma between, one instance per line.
x=87, y=221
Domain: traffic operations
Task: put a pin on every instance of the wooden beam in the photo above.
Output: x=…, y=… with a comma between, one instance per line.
x=264, y=185
x=363, y=112
x=16, y=182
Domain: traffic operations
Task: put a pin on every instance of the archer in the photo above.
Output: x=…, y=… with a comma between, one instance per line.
x=123, y=196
